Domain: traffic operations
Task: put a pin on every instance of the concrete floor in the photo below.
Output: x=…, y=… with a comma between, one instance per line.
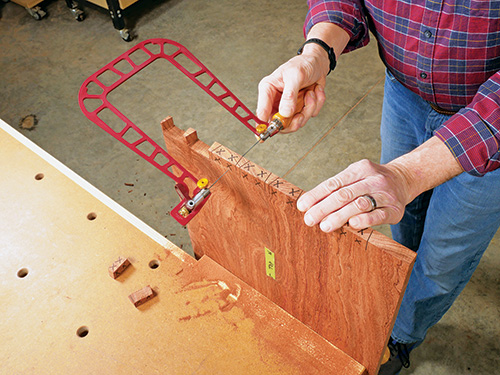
x=43, y=63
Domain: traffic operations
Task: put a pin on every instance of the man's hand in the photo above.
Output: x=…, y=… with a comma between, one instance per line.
x=342, y=198
x=278, y=92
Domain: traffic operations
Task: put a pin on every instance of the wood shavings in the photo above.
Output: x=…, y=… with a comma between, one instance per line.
x=28, y=122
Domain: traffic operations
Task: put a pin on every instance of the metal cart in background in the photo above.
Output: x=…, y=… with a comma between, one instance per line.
x=115, y=8
x=37, y=12
x=32, y=6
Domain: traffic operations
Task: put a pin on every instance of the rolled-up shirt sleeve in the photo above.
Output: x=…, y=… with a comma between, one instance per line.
x=473, y=134
x=349, y=15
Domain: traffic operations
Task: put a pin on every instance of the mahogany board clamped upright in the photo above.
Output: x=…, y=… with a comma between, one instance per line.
x=347, y=285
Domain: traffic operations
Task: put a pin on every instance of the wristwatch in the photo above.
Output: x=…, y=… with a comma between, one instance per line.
x=326, y=47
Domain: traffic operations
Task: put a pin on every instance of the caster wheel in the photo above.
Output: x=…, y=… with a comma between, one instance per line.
x=37, y=13
x=125, y=34
x=78, y=14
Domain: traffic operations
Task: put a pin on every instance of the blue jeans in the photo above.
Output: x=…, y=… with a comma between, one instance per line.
x=449, y=227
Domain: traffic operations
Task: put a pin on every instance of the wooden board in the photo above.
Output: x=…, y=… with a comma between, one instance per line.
x=62, y=313
x=347, y=286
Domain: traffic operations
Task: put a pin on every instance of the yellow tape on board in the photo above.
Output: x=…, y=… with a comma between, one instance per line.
x=270, y=263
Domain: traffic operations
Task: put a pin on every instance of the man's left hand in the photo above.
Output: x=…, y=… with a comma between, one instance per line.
x=345, y=198
x=367, y=194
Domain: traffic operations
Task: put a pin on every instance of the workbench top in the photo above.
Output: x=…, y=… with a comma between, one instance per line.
x=62, y=313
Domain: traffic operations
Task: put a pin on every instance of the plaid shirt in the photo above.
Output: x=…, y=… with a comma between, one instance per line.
x=448, y=52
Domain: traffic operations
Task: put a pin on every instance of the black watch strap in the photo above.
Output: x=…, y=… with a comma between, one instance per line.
x=326, y=47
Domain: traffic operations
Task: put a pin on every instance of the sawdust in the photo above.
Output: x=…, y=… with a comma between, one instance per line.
x=28, y=122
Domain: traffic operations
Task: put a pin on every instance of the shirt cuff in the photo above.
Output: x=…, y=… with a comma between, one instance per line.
x=472, y=142
x=346, y=15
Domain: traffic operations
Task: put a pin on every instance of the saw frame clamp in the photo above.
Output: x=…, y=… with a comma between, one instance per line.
x=93, y=100
x=277, y=123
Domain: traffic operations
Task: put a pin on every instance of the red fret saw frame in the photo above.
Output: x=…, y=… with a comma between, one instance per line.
x=174, y=53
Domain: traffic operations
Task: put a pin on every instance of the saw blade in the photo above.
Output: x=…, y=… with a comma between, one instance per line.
x=241, y=157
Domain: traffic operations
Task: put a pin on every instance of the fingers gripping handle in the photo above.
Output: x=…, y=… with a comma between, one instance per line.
x=279, y=122
x=299, y=105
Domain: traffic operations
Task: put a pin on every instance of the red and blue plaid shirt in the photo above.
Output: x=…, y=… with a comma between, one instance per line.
x=448, y=52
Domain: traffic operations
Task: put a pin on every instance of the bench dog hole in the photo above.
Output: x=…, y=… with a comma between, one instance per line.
x=82, y=331
x=23, y=272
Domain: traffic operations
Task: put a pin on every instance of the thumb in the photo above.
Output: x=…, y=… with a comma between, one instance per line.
x=291, y=87
x=288, y=103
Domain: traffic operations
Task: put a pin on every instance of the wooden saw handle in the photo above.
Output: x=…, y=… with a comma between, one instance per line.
x=285, y=121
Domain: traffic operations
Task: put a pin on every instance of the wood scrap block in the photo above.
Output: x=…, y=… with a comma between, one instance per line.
x=142, y=296
x=118, y=266
x=346, y=285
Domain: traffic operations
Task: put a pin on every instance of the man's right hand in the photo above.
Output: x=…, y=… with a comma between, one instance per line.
x=278, y=92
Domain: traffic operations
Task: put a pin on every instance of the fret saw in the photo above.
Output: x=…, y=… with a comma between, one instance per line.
x=93, y=100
